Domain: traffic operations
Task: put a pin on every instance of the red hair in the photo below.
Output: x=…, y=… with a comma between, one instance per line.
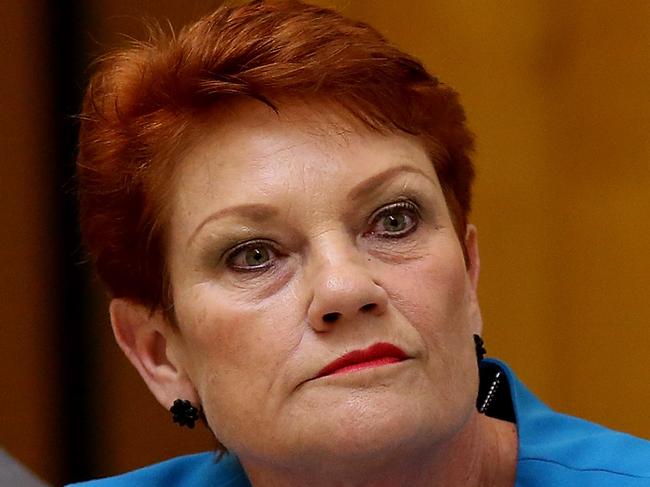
x=143, y=102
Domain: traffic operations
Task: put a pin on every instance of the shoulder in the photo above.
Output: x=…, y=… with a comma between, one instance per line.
x=561, y=448
x=558, y=449
x=199, y=470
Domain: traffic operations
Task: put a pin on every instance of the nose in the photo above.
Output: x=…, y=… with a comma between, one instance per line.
x=344, y=291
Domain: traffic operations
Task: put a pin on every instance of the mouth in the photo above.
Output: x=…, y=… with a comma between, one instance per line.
x=374, y=356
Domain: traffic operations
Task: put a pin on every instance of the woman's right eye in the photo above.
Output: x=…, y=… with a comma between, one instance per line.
x=252, y=256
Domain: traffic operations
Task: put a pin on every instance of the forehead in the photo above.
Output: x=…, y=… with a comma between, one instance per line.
x=249, y=154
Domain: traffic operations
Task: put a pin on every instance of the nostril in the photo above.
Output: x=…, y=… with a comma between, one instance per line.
x=368, y=307
x=331, y=317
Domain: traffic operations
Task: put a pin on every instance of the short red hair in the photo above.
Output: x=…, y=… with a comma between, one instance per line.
x=143, y=101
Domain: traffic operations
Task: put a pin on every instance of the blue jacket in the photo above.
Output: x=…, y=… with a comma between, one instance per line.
x=554, y=450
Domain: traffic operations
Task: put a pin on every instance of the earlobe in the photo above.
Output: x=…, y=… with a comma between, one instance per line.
x=144, y=337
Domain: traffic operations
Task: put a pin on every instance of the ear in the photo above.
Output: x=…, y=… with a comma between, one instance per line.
x=474, y=261
x=473, y=270
x=145, y=338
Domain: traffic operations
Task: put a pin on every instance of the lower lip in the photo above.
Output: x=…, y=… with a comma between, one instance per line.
x=366, y=365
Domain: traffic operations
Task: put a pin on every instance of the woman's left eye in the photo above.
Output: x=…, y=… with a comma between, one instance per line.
x=395, y=220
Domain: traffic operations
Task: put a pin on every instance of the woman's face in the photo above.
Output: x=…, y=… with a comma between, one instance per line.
x=295, y=239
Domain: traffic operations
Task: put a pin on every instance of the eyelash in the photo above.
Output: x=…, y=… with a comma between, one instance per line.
x=405, y=205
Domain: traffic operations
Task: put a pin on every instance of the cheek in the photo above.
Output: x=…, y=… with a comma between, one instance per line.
x=431, y=292
x=433, y=295
x=237, y=351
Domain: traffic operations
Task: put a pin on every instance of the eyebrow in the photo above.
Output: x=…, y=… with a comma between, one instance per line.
x=373, y=182
x=256, y=212
x=259, y=212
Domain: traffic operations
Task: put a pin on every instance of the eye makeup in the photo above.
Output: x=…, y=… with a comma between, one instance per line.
x=255, y=249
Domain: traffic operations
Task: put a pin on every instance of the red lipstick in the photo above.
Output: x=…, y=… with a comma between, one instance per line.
x=373, y=356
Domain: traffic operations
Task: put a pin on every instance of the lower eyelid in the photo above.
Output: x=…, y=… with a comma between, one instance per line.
x=252, y=271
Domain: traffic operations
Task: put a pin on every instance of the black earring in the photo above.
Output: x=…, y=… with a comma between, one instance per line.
x=480, y=349
x=184, y=413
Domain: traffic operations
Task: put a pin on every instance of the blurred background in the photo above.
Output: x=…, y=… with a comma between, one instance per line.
x=557, y=92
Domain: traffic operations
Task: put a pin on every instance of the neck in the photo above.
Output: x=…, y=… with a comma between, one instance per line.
x=483, y=454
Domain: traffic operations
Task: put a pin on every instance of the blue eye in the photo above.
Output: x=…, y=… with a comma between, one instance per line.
x=251, y=256
x=395, y=220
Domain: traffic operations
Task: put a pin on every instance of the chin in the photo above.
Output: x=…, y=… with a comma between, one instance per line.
x=371, y=426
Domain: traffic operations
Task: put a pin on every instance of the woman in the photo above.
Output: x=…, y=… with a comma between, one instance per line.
x=277, y=200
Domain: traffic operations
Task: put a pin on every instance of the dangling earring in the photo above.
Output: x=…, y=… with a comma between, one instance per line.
x=480, y=349
x=184, y=413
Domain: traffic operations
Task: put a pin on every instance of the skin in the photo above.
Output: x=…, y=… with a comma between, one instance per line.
x=294, y=239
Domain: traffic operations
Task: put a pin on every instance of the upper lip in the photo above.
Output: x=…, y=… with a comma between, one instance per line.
x=373, y=352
